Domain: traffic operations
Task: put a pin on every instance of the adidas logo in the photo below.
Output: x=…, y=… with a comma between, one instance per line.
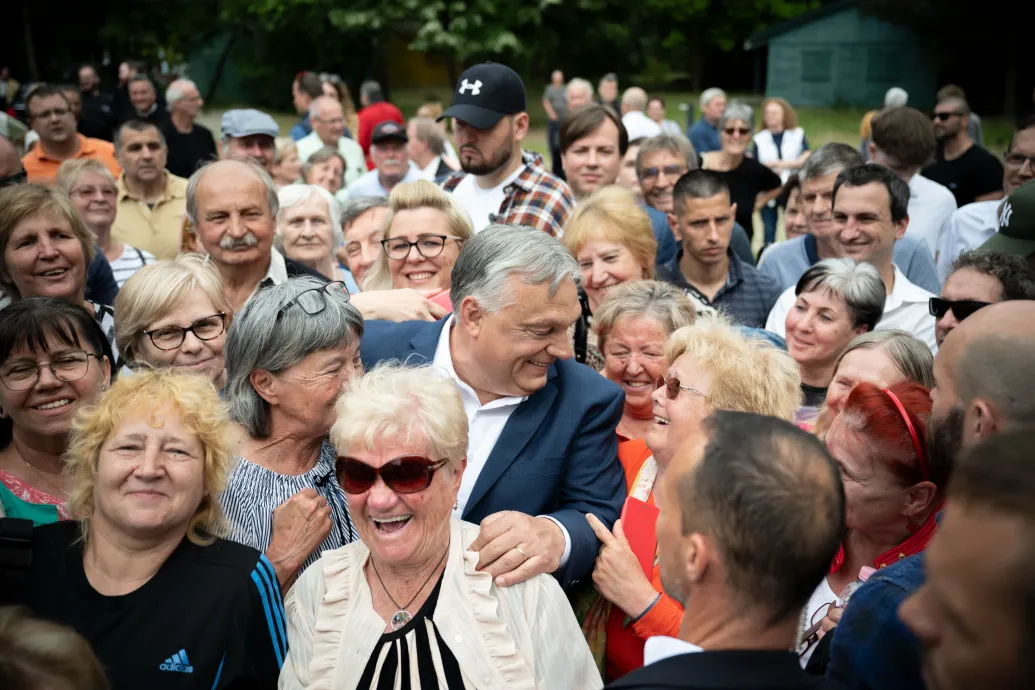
x=178, y=663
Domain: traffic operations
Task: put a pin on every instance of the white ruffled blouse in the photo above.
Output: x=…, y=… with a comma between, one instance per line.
x=504, y=638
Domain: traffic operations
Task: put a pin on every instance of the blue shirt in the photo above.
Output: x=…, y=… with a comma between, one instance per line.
x=667, y=246
x=302, y=128
x=871, y=648
x=705, y=137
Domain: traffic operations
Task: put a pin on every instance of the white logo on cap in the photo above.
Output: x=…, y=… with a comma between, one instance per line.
x=1004, y=216
x=476, y=87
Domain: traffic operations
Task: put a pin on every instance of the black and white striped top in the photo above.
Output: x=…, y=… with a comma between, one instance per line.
x=253, y=492
x=131, y=261
x=105, y=317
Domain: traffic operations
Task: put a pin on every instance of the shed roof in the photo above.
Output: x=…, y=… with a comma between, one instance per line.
x=762, y=38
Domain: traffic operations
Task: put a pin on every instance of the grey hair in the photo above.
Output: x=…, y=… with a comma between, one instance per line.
x=737, y=110
x=322, y=155
x=654, y=299
x=314, y=107
x=675, y=144
x=264, y=338
x=372, y=91
x=135, y=125
x=911, y=356
x=356, y=206
x=294, y=194
x=708, y=95
x=896, y=97
x=635, y=98
x=579, y=83
x=176, y=89
x=858, y=283
x=487, y=261
x=829, y=159
x=192, y=188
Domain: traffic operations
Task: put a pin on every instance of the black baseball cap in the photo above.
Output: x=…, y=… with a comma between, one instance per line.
x=388, y=131
x=485, y=93
x=1016, y=233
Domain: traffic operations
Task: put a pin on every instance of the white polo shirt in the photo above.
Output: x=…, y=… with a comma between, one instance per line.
x=931, y=206
x=906, y=309
x=969, y=228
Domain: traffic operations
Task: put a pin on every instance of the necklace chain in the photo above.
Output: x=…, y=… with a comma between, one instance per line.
x=428, y=579
x=40, y=474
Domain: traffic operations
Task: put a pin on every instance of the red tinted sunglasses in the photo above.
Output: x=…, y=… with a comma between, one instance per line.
x=406, y=475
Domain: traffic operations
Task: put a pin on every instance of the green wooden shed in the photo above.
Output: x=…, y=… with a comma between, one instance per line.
x=837, y=56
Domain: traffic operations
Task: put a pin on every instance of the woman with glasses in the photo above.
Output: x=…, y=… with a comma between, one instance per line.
x=751, y=183
x=709, y=366
x=174, y=313
x=893, y=490
x=424, y=232
x=289, y=354
x=45, y=249
x=782, y=147
x=53, y=361
x=309, y=230
x=406, y=607
x=91, y=187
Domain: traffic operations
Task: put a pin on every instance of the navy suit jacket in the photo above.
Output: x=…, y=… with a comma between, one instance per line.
x=557, y=454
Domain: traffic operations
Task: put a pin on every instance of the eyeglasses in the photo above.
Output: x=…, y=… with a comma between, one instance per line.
x=428, y=246
x=742, y=131
x=89, y=192
x=171, y=337
x=314, y=301
x=67, y=367
x=945, y=116
x=53, y=112
x=408, y=474
x=672, y=387
x=20, y=177
x=811, y=634
x=669, y=170
x=1019, y=159
x=961, y=308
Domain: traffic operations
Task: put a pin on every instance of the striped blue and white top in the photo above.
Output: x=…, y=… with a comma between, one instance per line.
x=253, y=492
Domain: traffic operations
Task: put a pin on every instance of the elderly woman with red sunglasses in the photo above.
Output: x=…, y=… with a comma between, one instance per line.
x=892, y=492
x=407, y=607
x=710, y=365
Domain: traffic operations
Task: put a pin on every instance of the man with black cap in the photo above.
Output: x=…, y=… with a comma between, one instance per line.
x=1016, y=234
x=500, y=183
x=391, y=163
x=249, y=133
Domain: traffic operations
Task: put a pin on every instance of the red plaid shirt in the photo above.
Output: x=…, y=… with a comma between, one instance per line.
x=534, y=198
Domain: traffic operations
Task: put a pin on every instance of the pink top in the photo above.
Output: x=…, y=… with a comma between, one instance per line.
x=31, y=494
x=443, y=300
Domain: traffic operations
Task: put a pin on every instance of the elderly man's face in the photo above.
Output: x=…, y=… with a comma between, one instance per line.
x=234, y=221
x=258, y=147
x=363, y=242
x=329, y=124
x=142, y=95
x=190, y=103
x=390, y=159
x=658, y=176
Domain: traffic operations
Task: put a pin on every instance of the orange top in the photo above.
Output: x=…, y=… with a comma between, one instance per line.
x=625, y=644
x=41, y=168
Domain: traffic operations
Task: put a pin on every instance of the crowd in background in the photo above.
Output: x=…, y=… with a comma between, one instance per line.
x=392, y=402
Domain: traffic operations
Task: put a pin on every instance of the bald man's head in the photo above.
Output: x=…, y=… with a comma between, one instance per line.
x=10, y=163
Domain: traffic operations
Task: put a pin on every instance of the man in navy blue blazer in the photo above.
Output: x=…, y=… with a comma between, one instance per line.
x=543, y=450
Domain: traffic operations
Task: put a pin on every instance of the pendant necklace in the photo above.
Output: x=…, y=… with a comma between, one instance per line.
x=38, y=473
x=402, y=616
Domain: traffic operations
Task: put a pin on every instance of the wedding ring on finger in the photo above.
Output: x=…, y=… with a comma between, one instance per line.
x=518, y=547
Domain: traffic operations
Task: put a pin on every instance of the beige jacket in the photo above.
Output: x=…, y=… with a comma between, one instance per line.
x=510, y=638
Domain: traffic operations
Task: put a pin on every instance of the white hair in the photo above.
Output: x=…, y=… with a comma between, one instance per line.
x=294, y=194
x=709, y=95
x=177, y=90
x=579, y=83
x=196, y=179
x=314, y=107
x=896, y=97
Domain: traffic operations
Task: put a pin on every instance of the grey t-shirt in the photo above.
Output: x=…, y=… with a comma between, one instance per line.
x=558, y=98
x=787, y=261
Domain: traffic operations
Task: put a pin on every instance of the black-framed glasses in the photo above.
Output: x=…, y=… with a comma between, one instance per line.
x=409, y=474
x=1018, y=159
x=742, y=131
x=672, y=387
x=945, y=116
x=20, y=177
x=961, y=308
x=314, y=301
x=810, y=636
x=171, y=337
x=428, y=246
x=67, y=367
x=675, y=171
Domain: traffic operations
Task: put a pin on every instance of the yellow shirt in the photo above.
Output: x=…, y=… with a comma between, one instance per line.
x=158, y=229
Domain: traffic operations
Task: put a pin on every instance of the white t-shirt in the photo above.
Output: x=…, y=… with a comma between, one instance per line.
x=482, y=203
x=969, y=228
x=638, y=125
x=816, y=610
x=931, y=206
x=906, y=309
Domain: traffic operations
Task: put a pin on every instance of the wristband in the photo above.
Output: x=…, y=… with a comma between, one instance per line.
x=630, y=621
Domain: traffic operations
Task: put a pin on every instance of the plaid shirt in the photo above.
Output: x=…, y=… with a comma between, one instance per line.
x=534, y=198
x=748, y=295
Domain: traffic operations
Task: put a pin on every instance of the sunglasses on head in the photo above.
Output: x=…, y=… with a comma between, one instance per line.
x=409, y=474
x=961, y=308
x=672, y=387
x=742, y=131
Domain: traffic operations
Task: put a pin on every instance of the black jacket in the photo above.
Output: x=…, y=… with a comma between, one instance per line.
x=727, y=670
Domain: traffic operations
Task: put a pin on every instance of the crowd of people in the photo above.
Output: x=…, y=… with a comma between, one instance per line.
x=390, y=403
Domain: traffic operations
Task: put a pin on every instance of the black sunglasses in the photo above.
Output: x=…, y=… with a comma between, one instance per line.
x=409, y=474
x=742, y=131
x=961, y=308
x=945, y=116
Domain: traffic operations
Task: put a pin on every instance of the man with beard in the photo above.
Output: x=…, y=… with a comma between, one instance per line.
x=51, y=117
x=983, y=377
x=151, y=200
x=752, y=513
x=970, y=172
x=500, y=183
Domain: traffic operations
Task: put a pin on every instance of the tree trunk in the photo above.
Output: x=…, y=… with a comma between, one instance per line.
x=30, y=48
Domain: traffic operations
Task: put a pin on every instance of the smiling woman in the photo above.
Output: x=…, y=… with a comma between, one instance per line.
x=309, y=228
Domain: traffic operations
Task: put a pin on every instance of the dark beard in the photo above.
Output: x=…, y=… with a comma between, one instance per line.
x=945, y=439
x=491, y=165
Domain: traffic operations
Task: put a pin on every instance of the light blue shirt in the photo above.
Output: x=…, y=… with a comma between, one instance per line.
x=370, y=185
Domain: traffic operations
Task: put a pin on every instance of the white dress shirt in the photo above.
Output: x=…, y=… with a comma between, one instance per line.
x=638, y=125
x=663, y=647
x=969, y=228
x=906, y=309
x=931, y=206
x=485, y=424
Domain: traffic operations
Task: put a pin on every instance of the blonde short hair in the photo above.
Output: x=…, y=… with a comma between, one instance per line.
x=404, y=404
x=36, y=653
x=156, y=289
x=411, y=196
x=72, y=171
x=29, y=201
x=612, y=214
x=748, y=374
x=663, y=302
x=153, y=392
x=281, y=147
